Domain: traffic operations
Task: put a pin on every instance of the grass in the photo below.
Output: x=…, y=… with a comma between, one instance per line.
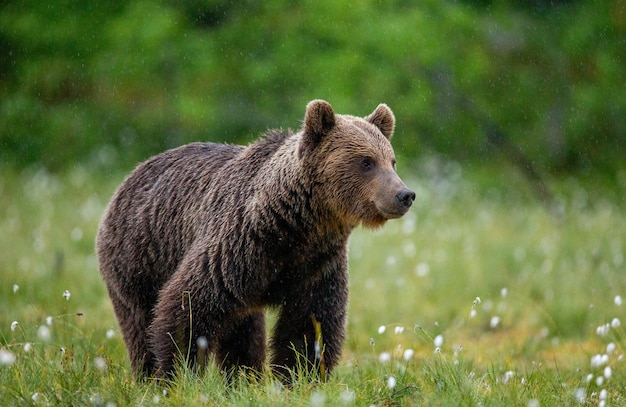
x=478, y=297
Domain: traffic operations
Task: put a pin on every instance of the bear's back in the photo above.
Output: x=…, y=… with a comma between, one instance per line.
x=151, y=220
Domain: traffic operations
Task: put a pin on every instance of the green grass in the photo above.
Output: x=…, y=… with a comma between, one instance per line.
x=545, y=285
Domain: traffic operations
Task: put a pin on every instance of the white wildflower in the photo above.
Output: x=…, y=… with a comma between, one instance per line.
x=14, y=325
x=15, y=288
x=203, y=343
x=438, y=342
x=382, y=329
x=318, y=398
x=615, y=323
x=6, y=357
x=580, y=395
x=603, y=330
x=391, y=382
x=494, y=322
x=384, y=357
x=608, y=372
x=110, y=334
x=28, y=347
x=610, y=348
x=508, y=375
x=347, y=396
x=99, y=363
x=533, y=403
x=408, y=354
x=43, y=333
x=398, y=330
x=618, y=300
x=599, y=360
x=66, y=295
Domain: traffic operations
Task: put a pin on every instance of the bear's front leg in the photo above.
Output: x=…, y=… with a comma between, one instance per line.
x=294, y=339
x=243, y=344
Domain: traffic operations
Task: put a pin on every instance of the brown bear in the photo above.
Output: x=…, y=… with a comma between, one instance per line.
x=200, y=239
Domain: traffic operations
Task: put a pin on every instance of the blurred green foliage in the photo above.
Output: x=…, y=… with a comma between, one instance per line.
x=110, y=83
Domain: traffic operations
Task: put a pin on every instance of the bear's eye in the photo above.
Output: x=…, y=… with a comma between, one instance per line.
x=367, y=163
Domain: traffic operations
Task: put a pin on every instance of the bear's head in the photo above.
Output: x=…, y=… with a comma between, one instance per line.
x=353, y=164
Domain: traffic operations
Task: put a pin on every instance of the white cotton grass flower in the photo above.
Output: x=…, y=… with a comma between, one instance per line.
x=603, y=330
x=422, y=269
x=608, y=372
x=580, y=395
x=382, y=329
x=610, y=348
x=43, y=333
x=14, y=325
x=49, y=320
x=15, y=288
x=99, y=363
x=28, y=346
x=615, y=323
x=384, y=357
x=398, y=330
x=66, y=295
x=203, y=343
x=318, y=398
x=110, y=334
x=599, y=360
x=7, y=357
x=347, y=397
x=508, y=375
x=603, y=394
x=472, y=313
x=408, y=354
x=391, y=382
x=35, y=397
x=495, y=322
x=504, y=292
x=438, y=341
x=618, y=300
x=533, y=403
x=599, y=381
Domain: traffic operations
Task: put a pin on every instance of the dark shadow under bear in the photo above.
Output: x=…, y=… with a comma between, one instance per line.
x=198, y=240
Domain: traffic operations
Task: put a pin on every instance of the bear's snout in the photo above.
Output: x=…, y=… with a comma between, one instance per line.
x=405, y=198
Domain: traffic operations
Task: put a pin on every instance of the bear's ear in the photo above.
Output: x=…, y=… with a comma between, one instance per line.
x=384, y=119
x=319, y=120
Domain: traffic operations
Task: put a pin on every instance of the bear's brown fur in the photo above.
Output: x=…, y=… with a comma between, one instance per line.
x=198, y=240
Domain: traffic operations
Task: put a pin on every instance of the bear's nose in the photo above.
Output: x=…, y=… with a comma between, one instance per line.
x=405, y=198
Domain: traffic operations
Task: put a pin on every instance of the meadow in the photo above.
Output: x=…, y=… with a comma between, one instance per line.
x=480, y=296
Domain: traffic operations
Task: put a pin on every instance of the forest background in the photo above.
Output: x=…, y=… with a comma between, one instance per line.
x=107, y=84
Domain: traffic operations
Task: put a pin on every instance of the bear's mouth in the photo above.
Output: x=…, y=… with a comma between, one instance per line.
x=392, y=212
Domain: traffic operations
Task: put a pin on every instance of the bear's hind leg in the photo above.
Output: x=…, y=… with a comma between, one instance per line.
x=244, y=345
x=134, y=323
